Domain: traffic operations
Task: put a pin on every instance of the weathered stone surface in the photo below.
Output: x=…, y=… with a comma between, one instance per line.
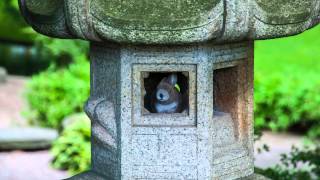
x=26, y=138
x=203, y=144
x=3, y=75
x=286, y=12
x=43, y=7
x=255, y=177
x=171, y=22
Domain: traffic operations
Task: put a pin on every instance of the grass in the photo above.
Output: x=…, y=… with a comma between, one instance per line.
x=301, y=51
x=287, y=82
x=12, y=24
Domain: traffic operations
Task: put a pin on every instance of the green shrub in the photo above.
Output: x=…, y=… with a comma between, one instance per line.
x=287, y=83
x=56, y=93
x=13, y=26
x=72, y=149
x=288, y=169
x=61, y=51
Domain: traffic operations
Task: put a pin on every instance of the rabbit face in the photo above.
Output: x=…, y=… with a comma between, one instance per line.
x=167, y=97
x=162, y=95
x=166, y=93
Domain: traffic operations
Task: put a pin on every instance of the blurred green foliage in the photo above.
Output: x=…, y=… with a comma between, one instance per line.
x=72, y=149
x=12, y=25
x=56, y=93
x=297, y=165
x=59, y=92
x=18, y=53
x=61, y=51
x=287, y=83
x=21, y=59
x=63, y=88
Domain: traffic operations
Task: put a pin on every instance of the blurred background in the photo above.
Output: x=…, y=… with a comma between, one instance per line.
x=44, y=83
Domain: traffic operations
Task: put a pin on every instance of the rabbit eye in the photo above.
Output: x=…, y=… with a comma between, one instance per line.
x=162, y=95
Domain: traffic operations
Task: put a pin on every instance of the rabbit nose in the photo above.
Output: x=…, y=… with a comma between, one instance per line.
x=162, y=95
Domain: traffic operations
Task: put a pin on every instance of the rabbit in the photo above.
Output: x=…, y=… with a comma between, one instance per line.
x=167, y=98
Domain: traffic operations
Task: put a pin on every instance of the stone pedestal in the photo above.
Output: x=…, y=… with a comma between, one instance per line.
x=209, y=140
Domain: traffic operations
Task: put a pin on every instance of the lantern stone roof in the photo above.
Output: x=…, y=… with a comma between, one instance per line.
x=170, y=21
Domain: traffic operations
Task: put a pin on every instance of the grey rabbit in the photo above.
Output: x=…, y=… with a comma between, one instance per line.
x=166, y=98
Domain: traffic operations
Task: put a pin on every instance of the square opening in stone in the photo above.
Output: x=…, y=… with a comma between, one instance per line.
x=225, y=85
x=165, y=92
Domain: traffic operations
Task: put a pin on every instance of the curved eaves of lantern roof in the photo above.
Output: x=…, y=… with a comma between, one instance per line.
x=171, y=22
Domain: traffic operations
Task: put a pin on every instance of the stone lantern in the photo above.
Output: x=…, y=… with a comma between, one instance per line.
x=193, y=54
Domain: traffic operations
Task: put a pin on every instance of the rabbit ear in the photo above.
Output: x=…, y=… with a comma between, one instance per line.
x=173, y=79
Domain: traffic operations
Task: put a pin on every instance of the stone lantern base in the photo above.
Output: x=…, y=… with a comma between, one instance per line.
x=90, y=175
x=210, y=138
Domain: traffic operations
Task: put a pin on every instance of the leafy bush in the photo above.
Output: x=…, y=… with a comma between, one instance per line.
x=61, y=51
x=288, y=168
x=13, y=26
x=72, y=149
x=56, y=93
x=287, y=83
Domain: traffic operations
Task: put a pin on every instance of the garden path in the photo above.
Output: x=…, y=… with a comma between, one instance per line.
x=278, y=143
x=11, y=101
x=21, y=165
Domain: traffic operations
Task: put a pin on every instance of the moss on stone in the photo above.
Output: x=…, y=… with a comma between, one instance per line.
x=154, y=15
